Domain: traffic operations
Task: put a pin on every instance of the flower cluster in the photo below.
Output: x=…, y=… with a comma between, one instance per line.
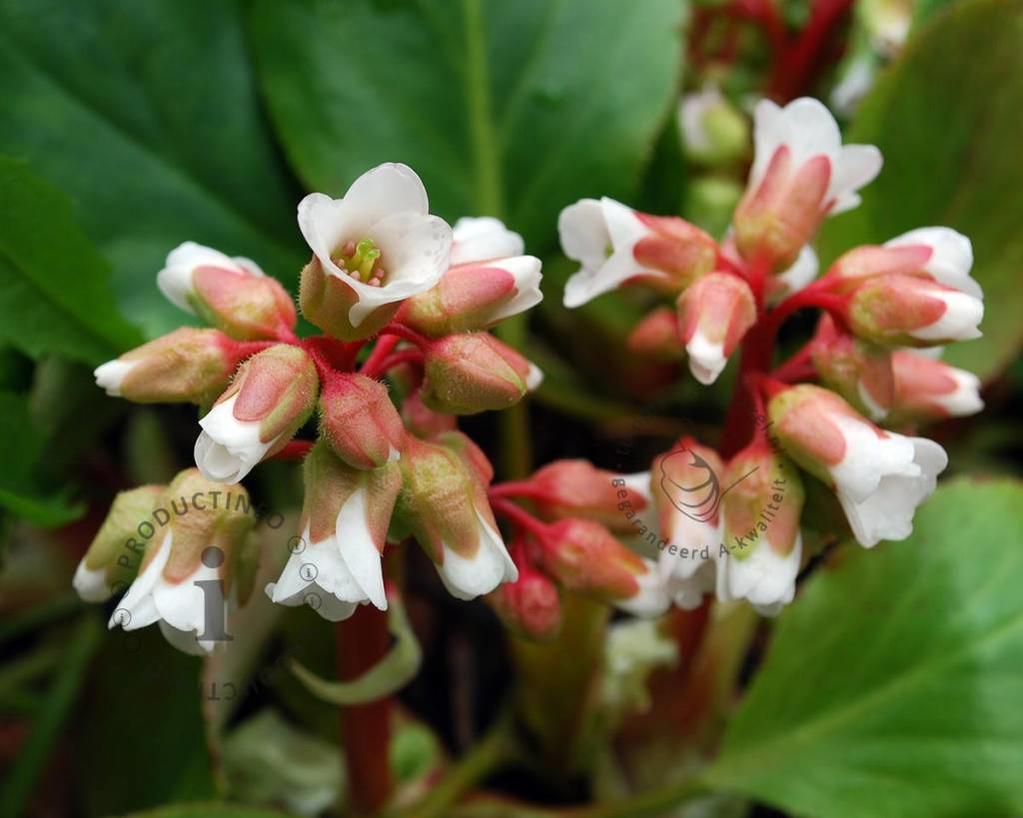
x=398, y=293
x=886, y=310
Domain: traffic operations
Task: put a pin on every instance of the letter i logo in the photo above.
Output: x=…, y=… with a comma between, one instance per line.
x=214, y=604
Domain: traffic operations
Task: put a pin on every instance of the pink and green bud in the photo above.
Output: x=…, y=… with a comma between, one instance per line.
x=475, y=296
x=336, y=564
x=530, y=606
x=680, y=251
x=657, y=336
x=203, y=526
x=422, y=421
x=859, y=371
x=474, y=372
x=713, y=316
x=188, y=364
x=113, y=558
x=273, y=394
x=577, y=488
x=903, y=310
x=927, y=389
x=359, y=421
x=443, y=502
x=232, y=295
x=327, y=302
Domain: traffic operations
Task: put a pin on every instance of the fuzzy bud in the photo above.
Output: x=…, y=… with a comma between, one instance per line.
x=273, y=394
x=327, y=302
x=657, y=336
x=114, y=555
x=713, y=316
x=530, y=606
x=586, y=558
x=359, y=421
x=927, y=389
x=474, y=372
x=188, y=364
x=475, y=296
x=232, y=295
x=860, y=372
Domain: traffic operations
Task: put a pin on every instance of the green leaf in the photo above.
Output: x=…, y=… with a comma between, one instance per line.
x=892, y=687
x=948, y=118
x=55, y=292
x=513, y=109
x=150, y=120
x=21, y=492
x=208, y=809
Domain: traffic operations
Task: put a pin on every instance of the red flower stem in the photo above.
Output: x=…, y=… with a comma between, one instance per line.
x=362, y=641
x=403, y=356
x=797, y=368
x=371, y=368
x=406, y=334
x=294, y=450
x=240, y=350
x=513, y=488
x=519, y=517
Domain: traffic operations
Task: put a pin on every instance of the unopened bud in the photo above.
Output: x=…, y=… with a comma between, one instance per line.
x=273, y=394
x=928, y=389
x=185, y=365
x=359, y=421
x=576, y=488
x=860, y=372
x=422, y=421
x=113, y=557
x=903, y=310
x=475, y=296
x=657, y=336
x=586, y=558
x=713, y=316
x=231, y=294
x=474, y=372
x=715, y=131
x=530, y=606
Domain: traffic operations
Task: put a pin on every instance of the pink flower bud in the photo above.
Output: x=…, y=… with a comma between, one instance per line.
x=585, y=557
x=359, y=421
x=615, y=243
x=903, y=310
x=801, y=173
x=576, y=488
x=879, y=477
x=657, y=336
x=928, y=389
x=422, y=421
x=444, y=504
x=860, y=372
x=271, y=397
x=761, y=511
x=232, y=295
x=335, y=564
x=473, y=372
x=713, y=316
x=185, y=365
x=530, y=606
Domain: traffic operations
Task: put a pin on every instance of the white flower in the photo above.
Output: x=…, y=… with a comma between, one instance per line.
x=882, y=478
x=526, y=272
x=479, y=239
x=951, y=256
x=652, y=599
x=405, y=250
x=808, y=129
x=765, y=578
x=338, y=573
x=534, y=377
x=960, y=320
x=91, y=584
x=470, y=577
x=175, y=280
x=227, y=448
x=111, y=375
x=601, y=236
x=692, y=113
x=707, y=358
x=179, y=607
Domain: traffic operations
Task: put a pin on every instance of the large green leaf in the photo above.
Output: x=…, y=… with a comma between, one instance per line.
x=148, y=117
x=512, y=109
x=55, y=295
x=948, y=117
x=893, y=686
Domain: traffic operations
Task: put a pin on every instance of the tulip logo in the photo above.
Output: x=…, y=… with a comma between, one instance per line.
x=701, y=495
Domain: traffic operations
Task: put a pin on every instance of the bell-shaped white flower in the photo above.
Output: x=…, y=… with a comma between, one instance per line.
x=379, y=239
x=483, y=238
x=469, y=576
x=950, y=256
x=764, y=578
x=227, y=449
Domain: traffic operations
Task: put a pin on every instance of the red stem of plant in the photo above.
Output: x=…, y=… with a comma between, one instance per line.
x=362, y=641
x=518, y=516
x=402, y=356
x=294, y=450
x=371, y=368
x=406, y=334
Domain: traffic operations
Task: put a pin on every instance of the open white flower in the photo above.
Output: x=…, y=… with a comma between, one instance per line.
x=950, y=260
x=467, y=577
x=483, y=238
x=379, y=239
x=765, y=578
x=227, y=449
x=175, y=280
x=808, y=130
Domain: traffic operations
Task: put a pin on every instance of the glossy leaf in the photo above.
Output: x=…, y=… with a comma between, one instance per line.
x=508, y=109
x=892, y=686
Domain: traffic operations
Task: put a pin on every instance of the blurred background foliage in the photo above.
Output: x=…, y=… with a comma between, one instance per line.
x=128, y=128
